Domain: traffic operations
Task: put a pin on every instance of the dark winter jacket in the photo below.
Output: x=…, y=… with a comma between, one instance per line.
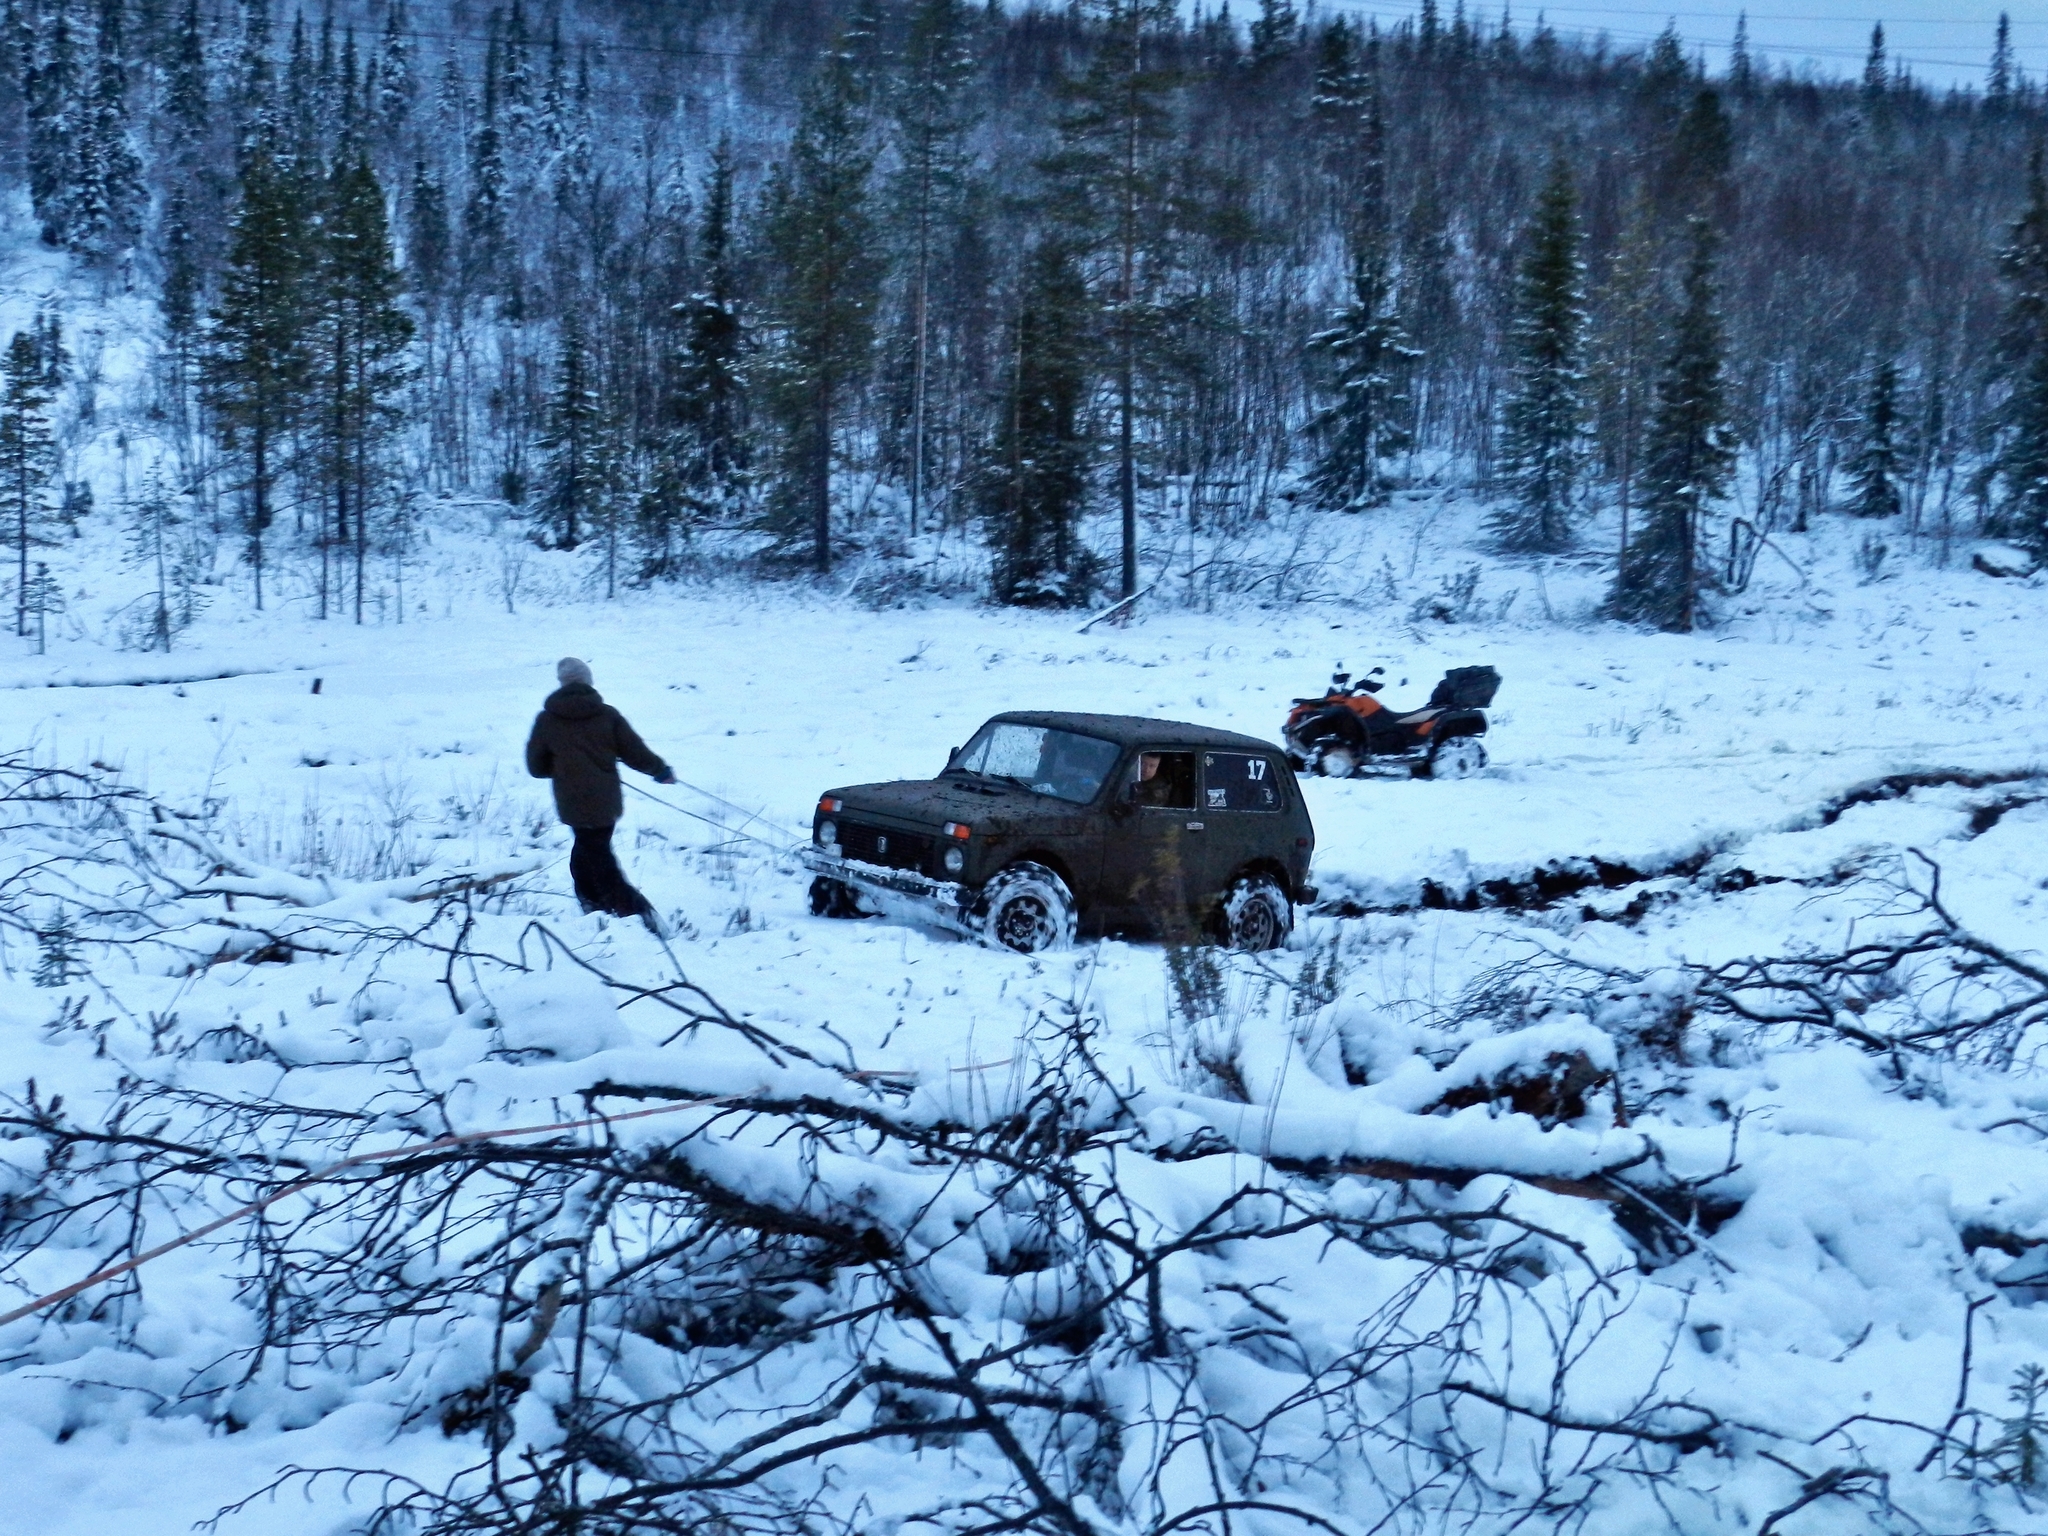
x=577, y=741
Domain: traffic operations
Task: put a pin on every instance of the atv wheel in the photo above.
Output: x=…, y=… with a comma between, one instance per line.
x=1462, y=757
x=1338, y=762
x=1256, y=914
x=834, y=898
x=1027, y=908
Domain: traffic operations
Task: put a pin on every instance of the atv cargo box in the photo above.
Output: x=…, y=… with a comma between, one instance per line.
x=1466, y=688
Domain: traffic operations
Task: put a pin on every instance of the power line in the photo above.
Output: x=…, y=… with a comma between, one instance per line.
x=1928, y=59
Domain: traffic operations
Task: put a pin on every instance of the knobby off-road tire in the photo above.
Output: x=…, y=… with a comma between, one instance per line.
x=1256, y=914
x=834, y=898
x=1027, y=908
x=1339, y=761
x=1461, y=757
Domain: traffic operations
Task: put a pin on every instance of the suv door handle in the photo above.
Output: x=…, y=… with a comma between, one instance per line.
x=1194, y=826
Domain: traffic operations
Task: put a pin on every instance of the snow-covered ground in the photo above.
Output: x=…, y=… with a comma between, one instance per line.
x=1855, y=1201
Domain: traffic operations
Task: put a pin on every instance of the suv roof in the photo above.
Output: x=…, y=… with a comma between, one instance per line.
x=1136, y=730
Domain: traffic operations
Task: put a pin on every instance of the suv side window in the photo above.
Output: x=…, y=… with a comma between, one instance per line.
x=1164, y=780
x=1238, y=781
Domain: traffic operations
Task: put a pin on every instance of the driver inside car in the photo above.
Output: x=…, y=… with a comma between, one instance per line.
x=1165, y=780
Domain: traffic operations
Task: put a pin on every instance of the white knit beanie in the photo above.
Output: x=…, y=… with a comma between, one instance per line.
x=571, y=669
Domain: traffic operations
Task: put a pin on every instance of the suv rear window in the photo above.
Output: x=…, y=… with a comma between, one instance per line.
x=1063, y=764
x=1238, y=781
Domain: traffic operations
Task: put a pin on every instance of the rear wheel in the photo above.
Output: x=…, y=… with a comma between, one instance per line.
x=1256, y=914
x=1027, y=908
x=834, y=898
x=1338, y=761
x=1459, y=758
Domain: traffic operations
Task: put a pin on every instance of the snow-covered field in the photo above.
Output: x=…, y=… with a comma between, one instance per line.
x=1852, y=1198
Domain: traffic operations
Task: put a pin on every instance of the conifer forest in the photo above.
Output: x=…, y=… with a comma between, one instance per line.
x=1092, y=289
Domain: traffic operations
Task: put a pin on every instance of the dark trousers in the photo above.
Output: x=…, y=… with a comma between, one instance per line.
x=600, y=884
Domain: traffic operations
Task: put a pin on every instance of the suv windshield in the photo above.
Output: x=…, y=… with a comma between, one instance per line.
x=1049, y=762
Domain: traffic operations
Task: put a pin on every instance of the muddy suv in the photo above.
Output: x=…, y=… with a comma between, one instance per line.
x=1045, y=825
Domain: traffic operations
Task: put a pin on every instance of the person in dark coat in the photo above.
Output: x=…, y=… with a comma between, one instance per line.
x=578, y=742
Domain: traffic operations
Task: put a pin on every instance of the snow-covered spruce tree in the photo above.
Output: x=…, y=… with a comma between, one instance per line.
x=1032, y=486
x=1877, y=81
x=365, y=335
x=429, y=238
x=489, y=264
x=2003, y=75
x=1364, y=424
x=363, y=338
x=575, y=473
x=1275, y=33
x=706, y=458
x=935, y=113
x=1110, y=182
x=186, y=89
x=1342, y=85
x=43, y=598
x=1741, y=65
x=153, y=524
x=179, y=296
x=1688, y=456
x=96, y=207
x=17, y=64
x=1878, y=465
x=28, y=457
x=255, y=77
x=821, y=237
x=2022, y=461
x=1367, y=345
x=1543, y=425
x=392, y=89
x=54, y=98
x=257, y=359
x=186, y=240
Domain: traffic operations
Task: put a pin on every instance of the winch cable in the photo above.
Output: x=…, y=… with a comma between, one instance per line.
x=712, y=821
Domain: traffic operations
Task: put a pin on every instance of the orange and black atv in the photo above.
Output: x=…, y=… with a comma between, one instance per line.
x=1348, y=732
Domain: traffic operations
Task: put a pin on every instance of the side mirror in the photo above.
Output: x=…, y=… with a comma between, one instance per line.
x=952, y=756
x=1122, y=808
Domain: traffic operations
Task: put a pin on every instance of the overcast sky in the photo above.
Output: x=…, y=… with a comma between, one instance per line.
x=1943, y=41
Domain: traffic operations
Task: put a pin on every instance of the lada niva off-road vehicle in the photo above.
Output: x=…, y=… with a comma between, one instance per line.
x=1045, y=825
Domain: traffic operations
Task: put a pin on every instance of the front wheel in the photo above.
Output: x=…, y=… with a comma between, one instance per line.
x=1256, y=914
x=1462, y=757
x=834, y=898
x=1027, y=908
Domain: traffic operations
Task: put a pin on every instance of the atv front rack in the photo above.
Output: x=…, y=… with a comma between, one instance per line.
x=899, y=893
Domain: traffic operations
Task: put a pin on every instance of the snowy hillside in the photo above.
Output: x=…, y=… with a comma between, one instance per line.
x=1689, y=1181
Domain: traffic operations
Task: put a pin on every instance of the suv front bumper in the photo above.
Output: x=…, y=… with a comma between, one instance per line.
x=899, y=893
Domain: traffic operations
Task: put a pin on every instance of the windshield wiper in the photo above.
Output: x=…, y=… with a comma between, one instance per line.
x=1010, y=778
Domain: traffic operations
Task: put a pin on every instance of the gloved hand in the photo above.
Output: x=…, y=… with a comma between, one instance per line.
x=668, y=776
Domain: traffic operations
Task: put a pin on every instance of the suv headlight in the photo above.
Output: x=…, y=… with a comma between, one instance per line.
x=955, y=859
x=828, y=833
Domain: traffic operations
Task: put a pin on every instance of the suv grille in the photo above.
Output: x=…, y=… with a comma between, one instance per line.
x=905, y=850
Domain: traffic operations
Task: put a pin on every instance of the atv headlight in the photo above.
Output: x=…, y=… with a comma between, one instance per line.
x=828, y=833
x=955, y=859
